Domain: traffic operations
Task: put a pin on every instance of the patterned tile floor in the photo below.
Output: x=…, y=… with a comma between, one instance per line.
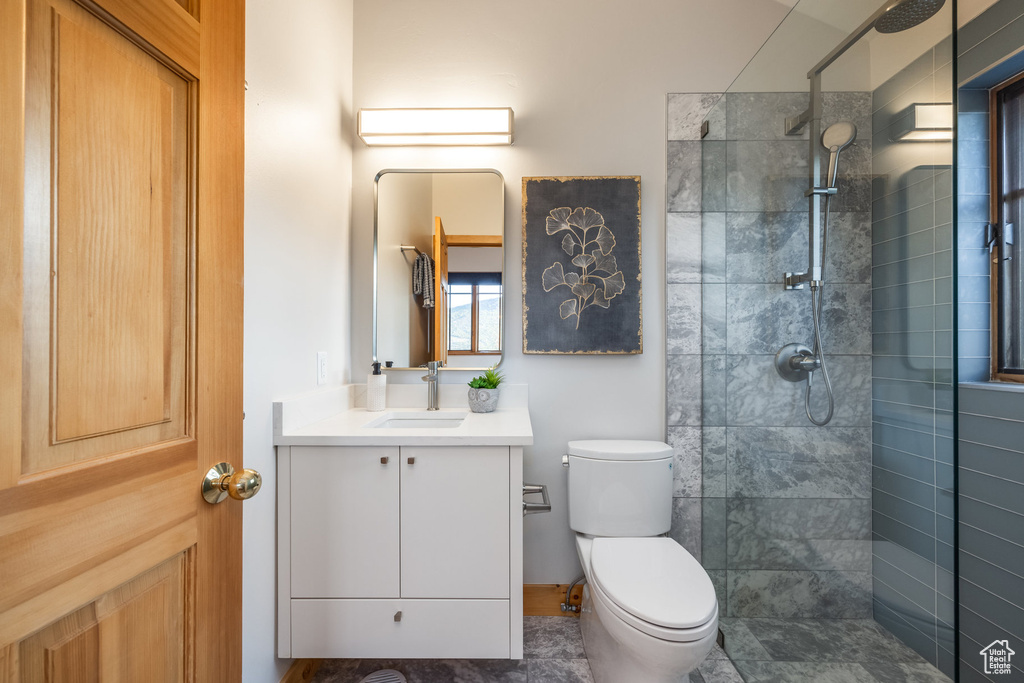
x=762, y=650
x=553, y=654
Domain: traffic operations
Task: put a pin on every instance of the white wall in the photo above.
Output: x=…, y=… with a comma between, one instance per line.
x=587, y=80
x=469, y=204
x=298, y=180
x=474, y=259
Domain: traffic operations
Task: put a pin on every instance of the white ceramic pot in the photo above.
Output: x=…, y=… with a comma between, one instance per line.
x=483, y=400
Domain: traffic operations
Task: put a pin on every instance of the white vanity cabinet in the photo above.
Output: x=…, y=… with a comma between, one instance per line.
x=400, y=551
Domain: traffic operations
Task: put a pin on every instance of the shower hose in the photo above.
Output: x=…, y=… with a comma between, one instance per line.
x=817, y=295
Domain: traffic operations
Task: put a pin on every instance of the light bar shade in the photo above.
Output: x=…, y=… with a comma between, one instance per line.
x=450, y=127
x=924, y=123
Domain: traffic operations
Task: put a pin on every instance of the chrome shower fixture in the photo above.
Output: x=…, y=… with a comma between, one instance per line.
x=904, y=14
x=892, y=17
x=835, y=139
x=796, y=362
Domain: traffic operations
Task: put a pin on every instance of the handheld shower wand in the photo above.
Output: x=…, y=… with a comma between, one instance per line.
x=835, y=139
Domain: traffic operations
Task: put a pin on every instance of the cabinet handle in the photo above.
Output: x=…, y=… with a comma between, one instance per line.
x=398, y=615
x=384, y=460
x=412, y=461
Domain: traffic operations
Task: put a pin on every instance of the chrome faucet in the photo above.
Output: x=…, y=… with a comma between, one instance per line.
x=431, y=379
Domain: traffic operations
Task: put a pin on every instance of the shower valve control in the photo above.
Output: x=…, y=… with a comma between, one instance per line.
x=795, y=362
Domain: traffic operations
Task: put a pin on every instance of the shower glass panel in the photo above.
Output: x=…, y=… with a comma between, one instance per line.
x=833, y=546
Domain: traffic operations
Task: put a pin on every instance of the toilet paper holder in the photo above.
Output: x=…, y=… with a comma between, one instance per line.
x=536, y=508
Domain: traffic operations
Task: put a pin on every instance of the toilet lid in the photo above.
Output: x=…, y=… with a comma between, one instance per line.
x=655, y=580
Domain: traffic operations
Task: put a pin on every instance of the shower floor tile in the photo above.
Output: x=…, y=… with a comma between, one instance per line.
x=822, y=651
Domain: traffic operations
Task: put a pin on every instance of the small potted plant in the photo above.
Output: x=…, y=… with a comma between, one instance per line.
x=483, y=391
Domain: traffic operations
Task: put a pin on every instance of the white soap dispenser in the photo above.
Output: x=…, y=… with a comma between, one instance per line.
x=376, y=389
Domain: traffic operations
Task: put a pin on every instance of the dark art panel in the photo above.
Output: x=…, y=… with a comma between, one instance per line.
x=581, y=265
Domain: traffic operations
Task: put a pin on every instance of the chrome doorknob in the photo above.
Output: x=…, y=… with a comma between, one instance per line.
x=222, y=481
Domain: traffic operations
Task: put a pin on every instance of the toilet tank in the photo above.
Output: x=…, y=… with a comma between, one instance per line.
x=620, y=488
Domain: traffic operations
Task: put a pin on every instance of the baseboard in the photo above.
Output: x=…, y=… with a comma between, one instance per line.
x=545, y=599
x=301, y=671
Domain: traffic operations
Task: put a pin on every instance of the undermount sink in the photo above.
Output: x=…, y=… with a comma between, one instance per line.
x=418, y=420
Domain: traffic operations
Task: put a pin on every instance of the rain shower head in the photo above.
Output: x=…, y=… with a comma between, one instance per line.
x=835, y=139
x=904, y=14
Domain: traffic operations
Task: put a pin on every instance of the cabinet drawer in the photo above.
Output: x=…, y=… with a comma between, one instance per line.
x=437, y=629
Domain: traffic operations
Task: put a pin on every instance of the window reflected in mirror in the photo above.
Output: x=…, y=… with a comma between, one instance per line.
x=474, y=312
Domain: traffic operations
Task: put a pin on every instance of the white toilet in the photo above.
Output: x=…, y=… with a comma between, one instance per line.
x=650, y=614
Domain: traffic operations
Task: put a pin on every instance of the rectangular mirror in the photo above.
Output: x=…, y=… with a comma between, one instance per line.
x=438, y=254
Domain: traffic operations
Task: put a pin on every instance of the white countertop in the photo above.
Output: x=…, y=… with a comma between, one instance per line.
x=338, y=417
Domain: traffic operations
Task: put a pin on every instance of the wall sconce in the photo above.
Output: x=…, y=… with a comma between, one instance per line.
x=923, y=123
x=475, y=126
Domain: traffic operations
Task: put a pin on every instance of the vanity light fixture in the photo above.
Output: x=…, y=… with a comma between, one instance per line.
x=450, y=127
x=924, y=123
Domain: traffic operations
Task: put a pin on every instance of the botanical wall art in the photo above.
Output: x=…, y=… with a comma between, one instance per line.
x=581, y=265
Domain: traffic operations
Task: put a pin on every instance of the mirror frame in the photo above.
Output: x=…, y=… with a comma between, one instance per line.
x=376, y=200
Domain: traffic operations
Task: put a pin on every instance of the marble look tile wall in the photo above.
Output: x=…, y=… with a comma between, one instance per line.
x=912, y=405
x=779, y=511
x=684, y=245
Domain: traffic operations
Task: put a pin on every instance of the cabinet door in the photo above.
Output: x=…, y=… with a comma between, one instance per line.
x=455, y=507
x=344, y=529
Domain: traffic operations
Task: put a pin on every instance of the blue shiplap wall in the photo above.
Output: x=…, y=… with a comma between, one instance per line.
x=912, y=367
x=991, y=416
x=991, y=525
x=972, y=256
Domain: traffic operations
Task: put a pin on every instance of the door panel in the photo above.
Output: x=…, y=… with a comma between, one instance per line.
x=107, y=268
x=133, y=633
x=120, y=378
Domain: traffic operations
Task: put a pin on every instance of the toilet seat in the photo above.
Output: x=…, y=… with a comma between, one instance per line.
x=655, y=586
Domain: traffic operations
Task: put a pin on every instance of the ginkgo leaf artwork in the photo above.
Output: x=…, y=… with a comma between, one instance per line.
x=589, y=243
x=582, y=284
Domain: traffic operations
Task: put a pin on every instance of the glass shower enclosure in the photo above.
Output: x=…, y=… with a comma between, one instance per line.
x=832, y=547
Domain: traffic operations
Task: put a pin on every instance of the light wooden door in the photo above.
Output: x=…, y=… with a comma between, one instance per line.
x=120, y=338
x=440, y=342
